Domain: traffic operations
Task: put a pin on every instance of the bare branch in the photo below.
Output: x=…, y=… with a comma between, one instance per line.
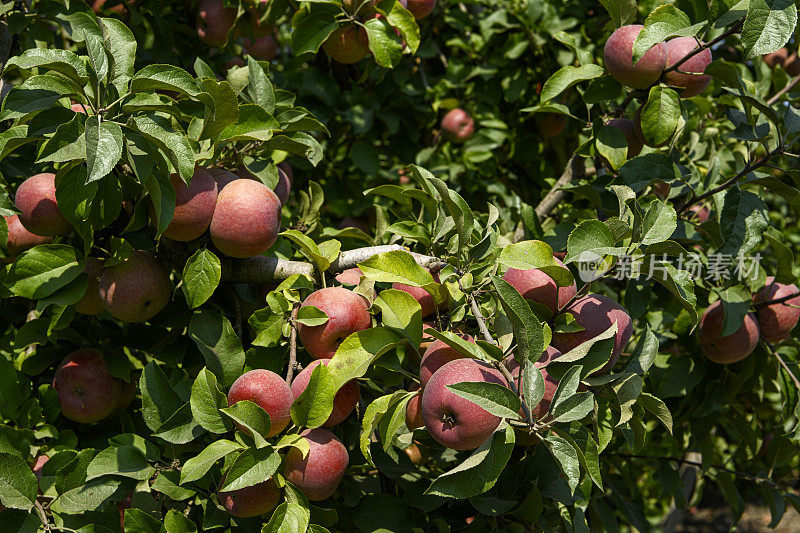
x=292, y=347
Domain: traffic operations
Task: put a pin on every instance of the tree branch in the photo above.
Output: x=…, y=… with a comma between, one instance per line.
x=292, y=347
x=788, y=87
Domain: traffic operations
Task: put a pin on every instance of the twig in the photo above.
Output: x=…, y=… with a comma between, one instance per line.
x=789, y=86
x=42, y=516
x=734, y=29
x=783, y=364
x=744, y=475
x=292, y=347
x=780, y=300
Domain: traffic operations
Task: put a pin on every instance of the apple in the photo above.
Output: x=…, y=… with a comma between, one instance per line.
x=347, y=313
x=436, y=356
x=343, y=403
x=319, y=473
x=457, y=125
x=267, y=390
x=540, y=410
x=91, y=303
x=264, y=48
x=86, y=389
x=632, y=131
x=20, y=239
x=618, y=55
x=421, y=8
x=731, y=348
x=776, y=58
x=36, y=201
x=450, y=419
x=214, y=22
x=414, y=418
x=246, y=220
x=596, y=313
x=536, y=286
x=424, y=298
x=347, y=44
x=251, y=501
x=776, y=321
x=136, y=289
x=194, y=206
x=694, y=82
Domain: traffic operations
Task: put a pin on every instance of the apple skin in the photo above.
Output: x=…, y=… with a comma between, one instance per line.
x=550, y=383
x=263, y=48
x=355, y=222
x=247, y=219
x=347, y=44
x=452, y=421
x=284, y=187
x=436, y=356
x=551, y=125
x=351, y=276
x=251, y=501
x=778, y=57
x=632, y=132
x=421, y=8
x=695, y=83
x=36, y=200
x=618, y=54
x=729, y=349
x=136, y=289
x=424, y=298
x=701, y=213
x=347, y=313
x=194, y=206
x=214, y=22
x=222, y=177
x=414, y=418
x=78, y=108
x=91, y=304
x=596, y=313
x=267, y=390
x=318, y=475
x=776, y=321
x=792, y=65
x=37, y=466
x=536, y=286
x=86, y=389
x=20, y=239
x=343, y=403
x=457, y=125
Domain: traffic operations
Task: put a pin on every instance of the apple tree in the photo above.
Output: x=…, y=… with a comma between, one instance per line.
x=403, y=265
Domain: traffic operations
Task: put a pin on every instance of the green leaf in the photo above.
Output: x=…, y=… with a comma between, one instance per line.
x=159, y=400
x=532, y=384
x=310, y=249
x=197, y=466
x=644, y=353
x=206, y=401
x=479, y=472
x=67, y=143
x=103, y=147
x=768, y=25
x=121, y=46
x=402, y=312
x=253, y=418
x=288, y=517
x=612, y=145
x=679, y=282
x=566, y=77
x=98, y=60
x=222, y=108
x=528, y=255
x=253, y=466
x=259, y=86
x=662, y=23
x=216, y=340
x=383, y=42
x=659, y=223
x=491, y=397
x=124, y=461
x=397, y=266
x=63, y=61
x=18, y=485
x=164, y=78
x=660, y=115
x=742, y=222
x=308, y=315
x=403, y=20
x=569, y=404
x=201, y=275
x=314, y=406
x=456, y=207
x=627, y=391
x=253, y=124
x=643, y=170
x=176, y=147
x=567, y=457
x=590, y=237
x=657, y=407
x=586, y=448
x=42, y=270
x=529, y=331
x=622, y=12
x=311, y=29
x=372, y=417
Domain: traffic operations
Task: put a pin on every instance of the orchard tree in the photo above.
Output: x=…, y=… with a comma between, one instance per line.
x=359, y=265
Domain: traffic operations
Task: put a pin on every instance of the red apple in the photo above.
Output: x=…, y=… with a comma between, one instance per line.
x=343, y=403
x=267, y=390
x=347, y=313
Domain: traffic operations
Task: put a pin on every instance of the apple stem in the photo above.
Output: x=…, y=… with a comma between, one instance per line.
x=292, y=346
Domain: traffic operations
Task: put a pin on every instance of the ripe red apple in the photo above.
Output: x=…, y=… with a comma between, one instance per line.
x=347, y=313
x=86, y=389
x=251, y=501
x=536, y=286
x=347, y=44
x=284, y=186
x=222, y=177
x=351, y=276
x=90, y=303
x=776, y=58
x=36, y=201
x=550, y=124
x=421, y=8
x=247, y=219
x=267, y=390
x=136, y=289
x=214, y=22
x=436, y=356
x=632, y=132
x=550, y=383
x=343, y=403
x=263, y=48
x=618, y=54
x=453, y=421
x=319, y=473
x=457, y=125
x=424, y=298
x=695, y=82
x=596, y=313
x=37, y=466
x=194, y=206
x=731, y=348
x=414, y=418
x=119, y=8
x=20, y=239
x=78, y=108
x=776, y=321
